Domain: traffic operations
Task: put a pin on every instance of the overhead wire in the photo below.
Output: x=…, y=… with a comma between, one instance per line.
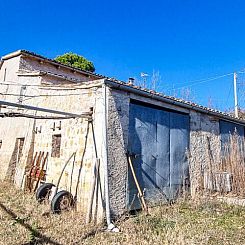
x=41, y=95
x=229, y=93
x=200, y=81
x=28, y=96
x=185, y=85
x=18, y=84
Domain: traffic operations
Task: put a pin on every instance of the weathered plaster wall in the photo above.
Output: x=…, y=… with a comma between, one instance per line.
x=205, y=148
x=118, y=119
x=8, y=70
x=33, y=64
x=11, y=83
x=13, y=128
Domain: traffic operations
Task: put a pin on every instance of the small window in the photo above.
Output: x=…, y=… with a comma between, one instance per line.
x=1, y=142
x=56, y=142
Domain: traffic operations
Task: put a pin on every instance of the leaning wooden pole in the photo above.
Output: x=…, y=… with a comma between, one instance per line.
x=94, y=183
x=95, y=179
x=141, y=196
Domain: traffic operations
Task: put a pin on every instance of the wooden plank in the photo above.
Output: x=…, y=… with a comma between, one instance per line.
x=94, y=182
x=144, y=206
x=40, y=172
x=29, y=178
x=34, y=170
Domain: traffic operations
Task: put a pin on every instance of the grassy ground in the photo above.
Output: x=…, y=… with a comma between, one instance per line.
x=24, y=221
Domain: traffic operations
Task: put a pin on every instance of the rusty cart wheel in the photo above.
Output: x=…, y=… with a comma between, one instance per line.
x=62, y=201
x=43, y=191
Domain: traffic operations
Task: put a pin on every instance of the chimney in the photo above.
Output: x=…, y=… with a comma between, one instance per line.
x=131, y=81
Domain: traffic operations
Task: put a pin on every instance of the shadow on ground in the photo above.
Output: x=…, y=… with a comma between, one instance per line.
x=38, y=238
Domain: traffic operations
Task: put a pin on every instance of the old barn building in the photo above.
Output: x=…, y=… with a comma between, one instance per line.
x=165, y=137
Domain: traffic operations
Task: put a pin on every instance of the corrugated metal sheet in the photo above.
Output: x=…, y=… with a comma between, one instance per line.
x=157, y=141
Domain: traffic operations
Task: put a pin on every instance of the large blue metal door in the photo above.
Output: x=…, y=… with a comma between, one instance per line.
x=158, y=140
x=227, y=129
x=179, y=143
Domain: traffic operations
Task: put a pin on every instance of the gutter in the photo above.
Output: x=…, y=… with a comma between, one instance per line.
x=130, y=89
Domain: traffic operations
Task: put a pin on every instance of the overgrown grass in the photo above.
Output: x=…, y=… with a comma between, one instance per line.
x=24, y=221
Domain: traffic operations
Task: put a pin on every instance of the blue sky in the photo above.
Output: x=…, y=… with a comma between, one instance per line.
x=183, y=40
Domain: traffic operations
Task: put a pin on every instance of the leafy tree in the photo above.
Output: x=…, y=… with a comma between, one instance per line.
x=76, y=61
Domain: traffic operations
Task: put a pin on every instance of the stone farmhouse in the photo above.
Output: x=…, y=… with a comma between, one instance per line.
x=163, y=136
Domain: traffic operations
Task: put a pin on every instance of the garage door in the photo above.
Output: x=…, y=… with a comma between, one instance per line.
x=158, y=140
x=227, y=129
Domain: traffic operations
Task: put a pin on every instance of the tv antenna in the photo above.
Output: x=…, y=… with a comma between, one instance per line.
x=144, y=78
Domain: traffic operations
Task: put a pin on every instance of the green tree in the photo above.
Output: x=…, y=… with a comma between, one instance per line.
x=76, y=61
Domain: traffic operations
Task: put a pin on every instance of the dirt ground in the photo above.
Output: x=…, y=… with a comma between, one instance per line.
x=24, y=221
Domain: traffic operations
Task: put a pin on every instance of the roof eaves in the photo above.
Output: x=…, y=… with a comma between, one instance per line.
x=150, y=93
x=170, y=99
x=32, y=54
x=11, y=55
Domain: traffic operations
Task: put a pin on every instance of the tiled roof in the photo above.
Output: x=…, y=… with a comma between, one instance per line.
x=173, y=100
x=135, y=88
x=29, y=53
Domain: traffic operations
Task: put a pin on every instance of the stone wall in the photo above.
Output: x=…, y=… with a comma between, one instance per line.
x=73, y=135
x=38, y=133
x=205, y=148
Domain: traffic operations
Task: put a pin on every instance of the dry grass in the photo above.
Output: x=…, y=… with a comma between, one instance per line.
x=234, y=163
x=227, y=175
x=220, y=171
x=24, y=221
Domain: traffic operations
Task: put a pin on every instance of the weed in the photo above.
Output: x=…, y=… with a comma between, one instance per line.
x=202, y=221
